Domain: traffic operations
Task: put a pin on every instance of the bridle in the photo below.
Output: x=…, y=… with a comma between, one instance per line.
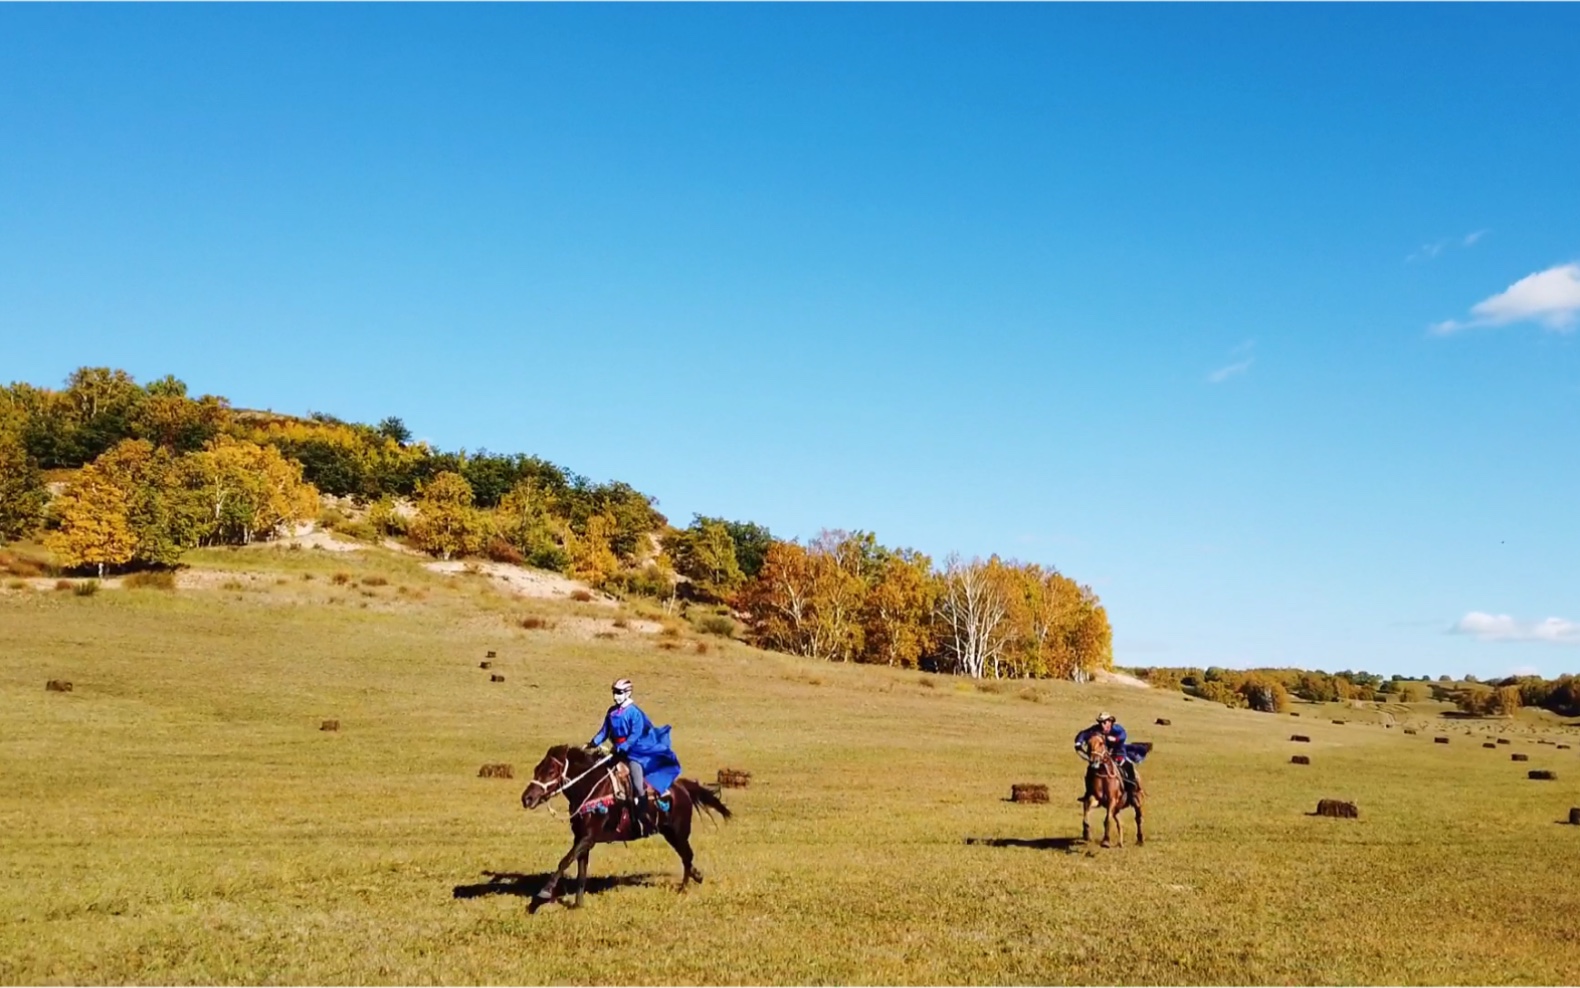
x=554, y=788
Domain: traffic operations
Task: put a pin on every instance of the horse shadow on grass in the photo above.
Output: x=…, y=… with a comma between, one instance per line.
x=526, y=886
x=1069, y=845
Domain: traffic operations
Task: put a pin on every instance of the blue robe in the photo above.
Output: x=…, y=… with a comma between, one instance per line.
x=637, y=737
x=1117, y=740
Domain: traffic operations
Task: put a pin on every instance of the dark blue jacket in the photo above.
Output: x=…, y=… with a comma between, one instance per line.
x=1117, y=741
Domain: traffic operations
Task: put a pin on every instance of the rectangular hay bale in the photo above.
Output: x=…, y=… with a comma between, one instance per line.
x=1028, y=792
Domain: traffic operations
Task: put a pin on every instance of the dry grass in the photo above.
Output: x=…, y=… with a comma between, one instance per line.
x=365, y=855
x=150, y=580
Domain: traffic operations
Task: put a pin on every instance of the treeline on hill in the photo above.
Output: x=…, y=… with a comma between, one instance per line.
x=1270, y=689
x=160, y=472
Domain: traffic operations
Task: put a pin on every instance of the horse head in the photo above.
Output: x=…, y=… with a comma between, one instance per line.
x=548, y=777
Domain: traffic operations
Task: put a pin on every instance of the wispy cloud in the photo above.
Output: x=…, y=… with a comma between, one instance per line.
x=1238, y=367
x=1427, y=252
x=1503, y=628
x=1550, y=298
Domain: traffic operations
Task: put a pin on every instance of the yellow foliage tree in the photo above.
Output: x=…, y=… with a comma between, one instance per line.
x=95, y=527
x=592, y=557
x=447, y=524
x=249, y=491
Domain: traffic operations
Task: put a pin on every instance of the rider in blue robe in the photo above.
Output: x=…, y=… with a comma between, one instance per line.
x=1126, y=754
x=644, y=746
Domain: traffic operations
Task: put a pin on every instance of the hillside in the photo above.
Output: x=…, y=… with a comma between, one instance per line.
x=179, y=817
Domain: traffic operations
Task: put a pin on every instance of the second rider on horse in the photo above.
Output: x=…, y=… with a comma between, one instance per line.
x=1126, y=755
x=628, y=734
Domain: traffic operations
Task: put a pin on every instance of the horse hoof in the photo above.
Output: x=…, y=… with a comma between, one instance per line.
x=1106, y=844
x=696, y=876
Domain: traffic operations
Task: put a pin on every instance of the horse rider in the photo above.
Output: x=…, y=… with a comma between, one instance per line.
x=629, y=735
x=1125, y=755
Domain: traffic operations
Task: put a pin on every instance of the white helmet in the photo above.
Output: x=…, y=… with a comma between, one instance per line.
x=1105, y=715
x=622, y=691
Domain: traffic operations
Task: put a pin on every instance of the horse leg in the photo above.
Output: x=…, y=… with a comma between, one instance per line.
x=549, y=892
x=1136, y=805
x=1119, y=825
x=581, y=877
x=1086, y=819
x=682, y=847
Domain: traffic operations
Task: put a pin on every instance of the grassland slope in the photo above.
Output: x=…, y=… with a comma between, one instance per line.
x=179, y=817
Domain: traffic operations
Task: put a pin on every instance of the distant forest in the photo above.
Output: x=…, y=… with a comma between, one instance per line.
x=146, y=472
x=1270, y=690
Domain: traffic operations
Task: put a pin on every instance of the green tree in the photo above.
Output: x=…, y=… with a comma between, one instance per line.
x=22, y=491
x=704, y=553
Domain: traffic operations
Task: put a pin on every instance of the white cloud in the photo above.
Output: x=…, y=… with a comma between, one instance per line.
x=1238, y=367
x=1431, y=250
x=1551, y=298
x=1503, y=628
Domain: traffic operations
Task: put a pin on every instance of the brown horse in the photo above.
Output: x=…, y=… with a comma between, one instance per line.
x=1105, y=787
x=596, y=787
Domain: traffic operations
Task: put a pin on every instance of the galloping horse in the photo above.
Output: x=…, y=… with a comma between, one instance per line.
x=1106, y=788
x=600, y=816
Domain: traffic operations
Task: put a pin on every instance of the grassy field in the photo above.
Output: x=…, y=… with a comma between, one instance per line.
x=179, y=817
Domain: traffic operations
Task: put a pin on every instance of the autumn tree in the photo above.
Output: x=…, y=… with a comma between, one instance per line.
x=592, y=555
x=808, y=600
x=95, y=528
x=249, y=491
x=167, y=417
x=447, y=524
x=897, y=612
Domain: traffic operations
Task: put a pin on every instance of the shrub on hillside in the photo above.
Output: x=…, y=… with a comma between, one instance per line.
x=501, y=551
x=154, y=579
x=716, y=624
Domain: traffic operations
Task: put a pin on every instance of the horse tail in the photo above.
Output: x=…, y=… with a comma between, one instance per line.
x=704, y=798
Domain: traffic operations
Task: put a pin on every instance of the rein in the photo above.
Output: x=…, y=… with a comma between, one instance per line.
x=565, y=783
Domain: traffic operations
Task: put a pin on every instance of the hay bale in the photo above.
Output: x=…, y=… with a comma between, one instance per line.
x=1163, y=722
x=1489, y=744
x=490, y=655
x=1337, y=808
x=57, y=686
x=496, y=771
x=1409, y=730
x=1338, y=722
x=485, y=665
x=1440, y=740
x=1504, y=741
x=1574, y=815
x=1542, y=774
x=1300, y=760
x=1300, y=737
x=1028, y=792
x=1293, y=714
x=734, y=778
x=329, y=725
x=1563, y=747
x=495, y=677
x=1519, y=756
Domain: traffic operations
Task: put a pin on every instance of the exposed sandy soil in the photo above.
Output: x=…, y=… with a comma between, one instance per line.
x=1121, y=679
x=522, y=581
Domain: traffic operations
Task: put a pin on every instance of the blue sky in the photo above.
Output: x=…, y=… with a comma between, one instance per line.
x=1260, y=319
